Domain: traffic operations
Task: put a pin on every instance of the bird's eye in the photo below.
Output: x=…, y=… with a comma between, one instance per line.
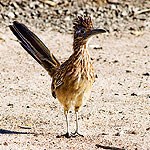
x=82, y=31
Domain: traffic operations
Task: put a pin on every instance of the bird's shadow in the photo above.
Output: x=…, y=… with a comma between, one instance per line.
x=3, y=131
x=108, y=147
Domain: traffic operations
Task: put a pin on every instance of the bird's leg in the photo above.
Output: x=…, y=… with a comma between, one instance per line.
x=67, y=135
x=67, y=122
x=77, y=126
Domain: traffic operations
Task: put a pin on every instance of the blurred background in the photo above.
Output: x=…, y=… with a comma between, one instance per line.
x=114, y=15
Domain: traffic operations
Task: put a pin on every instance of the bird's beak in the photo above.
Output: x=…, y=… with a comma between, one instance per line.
x=96, y=31
x=92, y=32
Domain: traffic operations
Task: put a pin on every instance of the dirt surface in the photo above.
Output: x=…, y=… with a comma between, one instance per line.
x=117, y=116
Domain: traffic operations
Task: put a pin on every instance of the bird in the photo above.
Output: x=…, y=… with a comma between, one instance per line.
x=72, y=80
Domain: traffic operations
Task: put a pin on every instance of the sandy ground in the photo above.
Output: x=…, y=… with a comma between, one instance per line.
x=117, y=116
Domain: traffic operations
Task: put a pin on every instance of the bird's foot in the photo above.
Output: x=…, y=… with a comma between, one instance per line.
x=66, y=135
x=69, y=135
x=76, y=133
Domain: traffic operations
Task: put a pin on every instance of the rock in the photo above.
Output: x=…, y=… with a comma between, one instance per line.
x=11, y=15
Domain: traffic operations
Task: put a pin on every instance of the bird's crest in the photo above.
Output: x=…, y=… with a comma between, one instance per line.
x=82, y=22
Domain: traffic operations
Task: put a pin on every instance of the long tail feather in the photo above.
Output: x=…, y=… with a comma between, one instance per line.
x=35, y=47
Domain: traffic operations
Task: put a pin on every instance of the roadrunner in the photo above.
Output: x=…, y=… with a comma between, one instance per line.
x=71, y=80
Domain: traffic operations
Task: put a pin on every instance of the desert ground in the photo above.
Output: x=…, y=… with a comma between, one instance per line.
x=117, y=115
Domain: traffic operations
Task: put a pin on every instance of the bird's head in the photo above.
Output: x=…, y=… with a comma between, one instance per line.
x=83, y=29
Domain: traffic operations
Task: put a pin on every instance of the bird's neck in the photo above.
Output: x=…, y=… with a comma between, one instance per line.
x=81, y=51
x=80, y=45
x=82, y=58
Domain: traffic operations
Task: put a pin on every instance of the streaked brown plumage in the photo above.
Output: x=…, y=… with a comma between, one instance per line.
x=72, y=80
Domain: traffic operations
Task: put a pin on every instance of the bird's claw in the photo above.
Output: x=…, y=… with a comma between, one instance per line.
x=66, y=135
x=76, y=133
x=69, y=135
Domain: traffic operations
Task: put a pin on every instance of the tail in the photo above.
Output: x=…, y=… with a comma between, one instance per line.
x=35, y=47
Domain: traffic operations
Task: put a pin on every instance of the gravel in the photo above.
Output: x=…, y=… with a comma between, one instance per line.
x=58, y=15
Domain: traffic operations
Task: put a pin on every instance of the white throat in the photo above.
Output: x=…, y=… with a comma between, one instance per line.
x=88, y=41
